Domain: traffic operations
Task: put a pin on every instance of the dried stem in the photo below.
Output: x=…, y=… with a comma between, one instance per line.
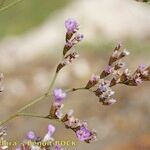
x=23, y=108
x=52, y=83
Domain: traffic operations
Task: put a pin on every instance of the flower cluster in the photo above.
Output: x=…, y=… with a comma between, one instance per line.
x=72, y=38
x=34, y=142
x=70, y=122
x=116, y=73
x=79, y=127
x=104, y=92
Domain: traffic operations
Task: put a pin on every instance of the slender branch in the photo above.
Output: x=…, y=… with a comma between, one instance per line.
x=23, y=108
x=16, y=114
x=52, y=83
x=8, y=119
x=48, y=94
x=54, y=78
x=32, y=103
x=33, y=115
x=77, y=89
x=10, y=5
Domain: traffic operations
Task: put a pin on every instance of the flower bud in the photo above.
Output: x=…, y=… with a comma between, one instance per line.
x=108, y=70
x=124, y=53
x=59, y=95
x=93, y=81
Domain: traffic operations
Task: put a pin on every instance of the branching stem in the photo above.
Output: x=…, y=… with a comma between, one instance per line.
x=33, y=102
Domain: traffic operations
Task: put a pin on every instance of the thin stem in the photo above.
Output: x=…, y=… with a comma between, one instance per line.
x=33, y=115
x=54, y=78
x=18, y=113
x=23, y=108
x=52, y=82
x=10, y=5
x=37, y=116
x=32, y=103
x=76, y=89
x=29, y=104
x=8, y=119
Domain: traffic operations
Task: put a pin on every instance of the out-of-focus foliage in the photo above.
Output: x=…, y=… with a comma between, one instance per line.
x=143, y=0
x=26, y=14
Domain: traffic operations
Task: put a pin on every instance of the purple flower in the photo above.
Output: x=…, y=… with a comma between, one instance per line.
x=83, y=134
x=102, y=88
x=59, y=95
x=94, y=78
x=71, y=25
x=79, y=37
x=93, y=81
x=109, y=69
x=141, y=68
x=31, y=135
x=51, y=129
x=138, y=81
x=58, y=147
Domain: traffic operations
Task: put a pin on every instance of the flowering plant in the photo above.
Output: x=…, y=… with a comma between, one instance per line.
x=101, y=85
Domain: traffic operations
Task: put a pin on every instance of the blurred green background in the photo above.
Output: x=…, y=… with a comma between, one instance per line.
x=32, y=36
x=26, y=15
